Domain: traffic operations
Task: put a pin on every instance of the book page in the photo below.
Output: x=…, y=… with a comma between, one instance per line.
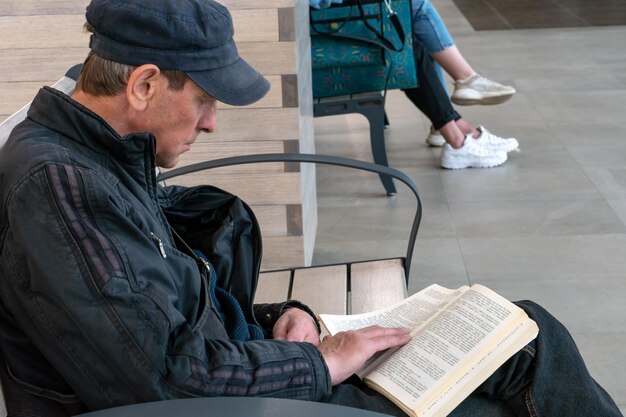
x=408, y=313
x=491, y=360
x=441, y=348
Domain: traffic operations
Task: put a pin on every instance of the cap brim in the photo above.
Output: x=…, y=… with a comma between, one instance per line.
x=237, y=84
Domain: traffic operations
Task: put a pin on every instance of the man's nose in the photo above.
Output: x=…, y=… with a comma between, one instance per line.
x=208, y=121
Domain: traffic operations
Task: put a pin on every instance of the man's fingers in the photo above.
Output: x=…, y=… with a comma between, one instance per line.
x=384, y=338
x=384, y=335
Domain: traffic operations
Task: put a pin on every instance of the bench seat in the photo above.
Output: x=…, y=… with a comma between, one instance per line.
x=351, y=288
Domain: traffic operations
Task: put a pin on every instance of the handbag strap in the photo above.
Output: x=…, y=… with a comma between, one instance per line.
x=383, y=42
x=395, y=21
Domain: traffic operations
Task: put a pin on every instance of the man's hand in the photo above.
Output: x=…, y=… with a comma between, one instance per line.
x=296, y=325
x=346, y=352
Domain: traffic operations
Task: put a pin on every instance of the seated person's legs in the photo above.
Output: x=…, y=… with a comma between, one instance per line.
x=470, y=87
x=527, y=381
x=523, y=387
x=482, y=150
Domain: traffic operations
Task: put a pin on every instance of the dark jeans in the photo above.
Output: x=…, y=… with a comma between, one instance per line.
x=430, y=96
x=547, y=378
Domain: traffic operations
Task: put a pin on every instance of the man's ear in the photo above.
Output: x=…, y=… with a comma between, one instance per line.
x=142, y=85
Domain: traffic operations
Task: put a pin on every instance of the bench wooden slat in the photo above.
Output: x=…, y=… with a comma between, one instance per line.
x=273, y=287
x=324, y=289
x=376, y=284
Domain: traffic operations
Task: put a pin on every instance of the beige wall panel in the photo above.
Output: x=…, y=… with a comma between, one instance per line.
x=206, y=148
x=257, y=124
x=272, y=218
x=264, y=22
x=270, y=57
x=279, y=188
x=39, y=65
x=282, y=252
x=247, y=4
x=23, y=32
x=16, y=95
x=44, y=7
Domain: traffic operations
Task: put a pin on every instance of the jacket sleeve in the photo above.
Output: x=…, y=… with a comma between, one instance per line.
x=268, y=314
x=94, y=293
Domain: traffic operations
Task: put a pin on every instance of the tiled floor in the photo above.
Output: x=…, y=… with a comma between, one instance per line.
x=527, y=14
x=550, y=225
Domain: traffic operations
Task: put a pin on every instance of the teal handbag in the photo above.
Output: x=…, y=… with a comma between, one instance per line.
x=362, y=46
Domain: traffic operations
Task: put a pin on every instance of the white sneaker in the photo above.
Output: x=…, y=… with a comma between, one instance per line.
x=471, y=155
x=480, y=90
x=434, y=138
x=494, y=142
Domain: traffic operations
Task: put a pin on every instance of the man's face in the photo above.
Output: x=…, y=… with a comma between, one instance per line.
x=176, y=119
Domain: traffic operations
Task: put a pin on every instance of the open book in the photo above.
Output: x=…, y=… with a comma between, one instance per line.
x=459, y=338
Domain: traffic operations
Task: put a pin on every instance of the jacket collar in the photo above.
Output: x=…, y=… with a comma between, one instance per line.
x=60, y=113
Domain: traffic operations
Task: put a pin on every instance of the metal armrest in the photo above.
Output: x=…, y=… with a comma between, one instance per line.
x=317, y=159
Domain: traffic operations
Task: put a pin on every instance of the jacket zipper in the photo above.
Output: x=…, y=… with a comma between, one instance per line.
x=159, y=244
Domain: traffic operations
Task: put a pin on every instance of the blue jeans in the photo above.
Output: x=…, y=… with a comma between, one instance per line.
x=547, y=378
x=430, y=29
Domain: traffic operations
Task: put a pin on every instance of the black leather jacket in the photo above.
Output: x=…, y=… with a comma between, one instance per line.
x=97, y=302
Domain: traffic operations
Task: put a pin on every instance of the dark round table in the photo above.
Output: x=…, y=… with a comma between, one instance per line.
x=232, y=407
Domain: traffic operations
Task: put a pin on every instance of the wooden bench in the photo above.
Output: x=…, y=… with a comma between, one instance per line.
x=339, y=289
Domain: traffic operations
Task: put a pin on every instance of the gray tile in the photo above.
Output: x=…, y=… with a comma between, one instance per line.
x=437, y=261
x=599, y=156
x=541, y=78
x=329, y=250
x=589, y=133
x=603, y=353
x=585, y=305
x=619, y=205
x=364, y=223
x=547, y=258
x=436, y=222
x=540, y=154
x=507, y=183
x=576, y=107
x=536, y=218
x=504, y=120
x=611, y=183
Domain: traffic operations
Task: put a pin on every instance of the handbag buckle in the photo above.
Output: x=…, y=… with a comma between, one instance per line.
x=390, y=10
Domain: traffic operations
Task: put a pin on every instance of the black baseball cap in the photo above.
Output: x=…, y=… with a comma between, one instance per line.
x=193, y=36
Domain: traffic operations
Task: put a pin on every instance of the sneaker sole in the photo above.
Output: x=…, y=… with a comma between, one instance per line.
x=483, y=163
x=481, y=101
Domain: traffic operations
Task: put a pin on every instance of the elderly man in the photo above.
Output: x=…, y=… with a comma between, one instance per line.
x=112, y=292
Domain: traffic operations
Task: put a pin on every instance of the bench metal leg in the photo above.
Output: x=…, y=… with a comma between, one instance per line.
x=371, y=106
